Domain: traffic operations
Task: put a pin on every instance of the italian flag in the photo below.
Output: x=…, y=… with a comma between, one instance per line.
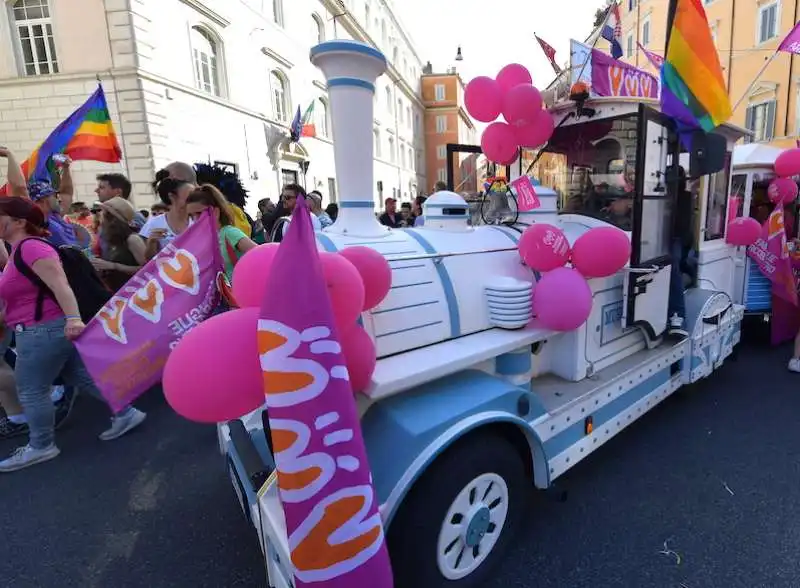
x=309, y=129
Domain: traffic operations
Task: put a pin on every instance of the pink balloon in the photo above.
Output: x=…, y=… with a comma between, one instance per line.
x=537, y=133
x=360, y=357
x=513, y=75
x=782, y=191
x=788, y=163
x=521, y=105
x=251, y=274
x=483, y=99
x=345, y=288
x=376, y=274
x=544, y=247
x=562, y=300
x=743, y=231
x=213, y=374
x=601, y=252
x=499, y=143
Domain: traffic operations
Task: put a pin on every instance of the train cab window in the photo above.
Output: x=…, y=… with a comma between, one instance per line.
x=592, y=167
x=761, y=207
x=717, y=203
x=738, y=191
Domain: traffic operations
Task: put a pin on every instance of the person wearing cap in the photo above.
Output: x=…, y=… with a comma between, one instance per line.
x=46, y=197
x=390, y=218
x=315, y=205
x=45, y=327
x=124, y=253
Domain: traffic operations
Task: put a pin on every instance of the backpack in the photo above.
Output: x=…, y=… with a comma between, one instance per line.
x=277, y=229
x=90, y=291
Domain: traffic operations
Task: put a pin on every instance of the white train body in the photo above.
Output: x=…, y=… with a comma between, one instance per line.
x=464, y=402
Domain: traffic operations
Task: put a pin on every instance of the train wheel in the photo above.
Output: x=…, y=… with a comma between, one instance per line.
x=461, y=515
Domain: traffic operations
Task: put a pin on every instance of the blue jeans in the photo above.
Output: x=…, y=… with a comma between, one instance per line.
x=43, y=354
x=676, y=303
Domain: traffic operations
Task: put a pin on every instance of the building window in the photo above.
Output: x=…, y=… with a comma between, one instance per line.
x=760, y=119
x=376, y=136
x=767, y=22
x=646, y=33
x=206, y=61
x=323, y=119
x=408, y=115
x=714, y=29
x=441, y=123
x=442, y=174
x=366, y=15
x=317, y=29
x=395, y=56
x=416, y=124
x=388, y=99
x=35, y=34
x=400, y=110
x=280, y=96
x=402, y=156
x=411, y=158
x=277, y=12
x=332, y=190
x=440, y=94
x=384, y=35
x=629, y=46
x=631, y=5
x=392, y=151
x=441, y=151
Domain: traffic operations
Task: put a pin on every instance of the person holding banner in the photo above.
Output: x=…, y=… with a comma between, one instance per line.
x=46, y=322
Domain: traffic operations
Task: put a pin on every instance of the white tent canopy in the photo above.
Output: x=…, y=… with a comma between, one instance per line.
x=755, y=154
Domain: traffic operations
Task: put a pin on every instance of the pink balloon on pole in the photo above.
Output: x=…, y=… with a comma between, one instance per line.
x=521, y=105
x=360, y=356
x=345, y=288
x=376, y=274
x=483, y=99
x=788, y=163
x=251, y=274
x=601, y=252
x=782, y=191
x=499, y=143
x=562, y=300
x=743, y=231
x=513, y=75
x=536, y=133
x=544, y=247
x=213, y=374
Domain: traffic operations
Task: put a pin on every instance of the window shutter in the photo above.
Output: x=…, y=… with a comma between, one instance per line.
x=748, y=122
x=769, y=132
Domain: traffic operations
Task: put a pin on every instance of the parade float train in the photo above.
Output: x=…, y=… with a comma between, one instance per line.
x=467, y=411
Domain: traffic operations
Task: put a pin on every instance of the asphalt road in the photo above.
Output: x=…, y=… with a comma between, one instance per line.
x=714, y=473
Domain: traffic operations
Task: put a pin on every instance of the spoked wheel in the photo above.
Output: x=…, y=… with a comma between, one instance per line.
x=460, y=516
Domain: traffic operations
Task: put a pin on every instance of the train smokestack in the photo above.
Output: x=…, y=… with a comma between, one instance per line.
x=351, y=69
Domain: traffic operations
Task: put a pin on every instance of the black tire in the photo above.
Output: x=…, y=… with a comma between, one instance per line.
x=413, y=535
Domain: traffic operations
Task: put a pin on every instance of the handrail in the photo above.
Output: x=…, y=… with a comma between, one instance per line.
x=440, y=256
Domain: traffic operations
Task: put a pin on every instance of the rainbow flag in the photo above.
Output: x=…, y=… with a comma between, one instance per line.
x=87, y=134
x=693, y=91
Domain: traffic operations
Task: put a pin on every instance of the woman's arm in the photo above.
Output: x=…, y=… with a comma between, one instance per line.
x=14, y=176
x=245, y=244
x=52, y=274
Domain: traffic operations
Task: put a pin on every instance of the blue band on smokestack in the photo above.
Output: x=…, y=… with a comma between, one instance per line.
x=344, y=45
x=351, y=82
x=356, y=204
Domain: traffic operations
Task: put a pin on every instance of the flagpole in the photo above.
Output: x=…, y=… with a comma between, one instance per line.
x=755, y=80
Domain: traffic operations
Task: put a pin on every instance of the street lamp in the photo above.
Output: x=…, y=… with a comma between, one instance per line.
x=459, y=56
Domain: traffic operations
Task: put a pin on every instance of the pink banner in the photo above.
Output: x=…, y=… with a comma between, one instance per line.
x=526, y=194
x=791, y=43
x=615, y=78
x=335, y=532
x=127, y=344
x=771, y=253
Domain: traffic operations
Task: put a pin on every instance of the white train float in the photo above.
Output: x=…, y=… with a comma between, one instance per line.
x=467, y=412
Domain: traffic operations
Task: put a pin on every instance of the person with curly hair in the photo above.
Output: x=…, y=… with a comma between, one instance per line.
x=229, y=184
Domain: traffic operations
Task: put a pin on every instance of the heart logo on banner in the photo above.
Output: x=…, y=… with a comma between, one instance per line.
x=147, y=301
x=615, y=78
x=181, y=271
x=632, y=85
x=110, y=317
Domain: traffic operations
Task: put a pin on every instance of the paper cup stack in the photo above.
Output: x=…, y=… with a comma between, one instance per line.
x=510, y=302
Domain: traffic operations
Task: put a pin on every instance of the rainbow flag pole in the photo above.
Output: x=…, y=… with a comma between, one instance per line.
x=87, y=134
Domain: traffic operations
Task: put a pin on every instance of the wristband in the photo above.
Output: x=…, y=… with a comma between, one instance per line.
x=73, y=318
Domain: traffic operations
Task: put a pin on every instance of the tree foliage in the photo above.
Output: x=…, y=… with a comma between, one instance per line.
x=600, y=14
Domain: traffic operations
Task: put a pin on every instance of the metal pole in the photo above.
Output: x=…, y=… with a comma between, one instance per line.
x=753, y=83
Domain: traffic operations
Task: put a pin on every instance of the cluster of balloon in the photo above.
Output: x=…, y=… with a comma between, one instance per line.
x=513, y=95
x=562, y=298
x=782, y=191
x=214, y=375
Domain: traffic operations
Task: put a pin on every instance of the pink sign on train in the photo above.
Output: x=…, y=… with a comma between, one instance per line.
x=527, y=199
x=336, y=536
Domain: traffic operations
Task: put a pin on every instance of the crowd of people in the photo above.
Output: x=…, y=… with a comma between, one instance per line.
x=55, y=247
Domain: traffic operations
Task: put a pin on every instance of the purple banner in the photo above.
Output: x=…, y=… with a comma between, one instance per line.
x=615, y=78
x=127, y=344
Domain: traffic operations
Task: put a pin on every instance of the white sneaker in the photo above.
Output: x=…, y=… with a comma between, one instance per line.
x=123, y=423
x=676, y=326
x=794, y=365
x=28, y=456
